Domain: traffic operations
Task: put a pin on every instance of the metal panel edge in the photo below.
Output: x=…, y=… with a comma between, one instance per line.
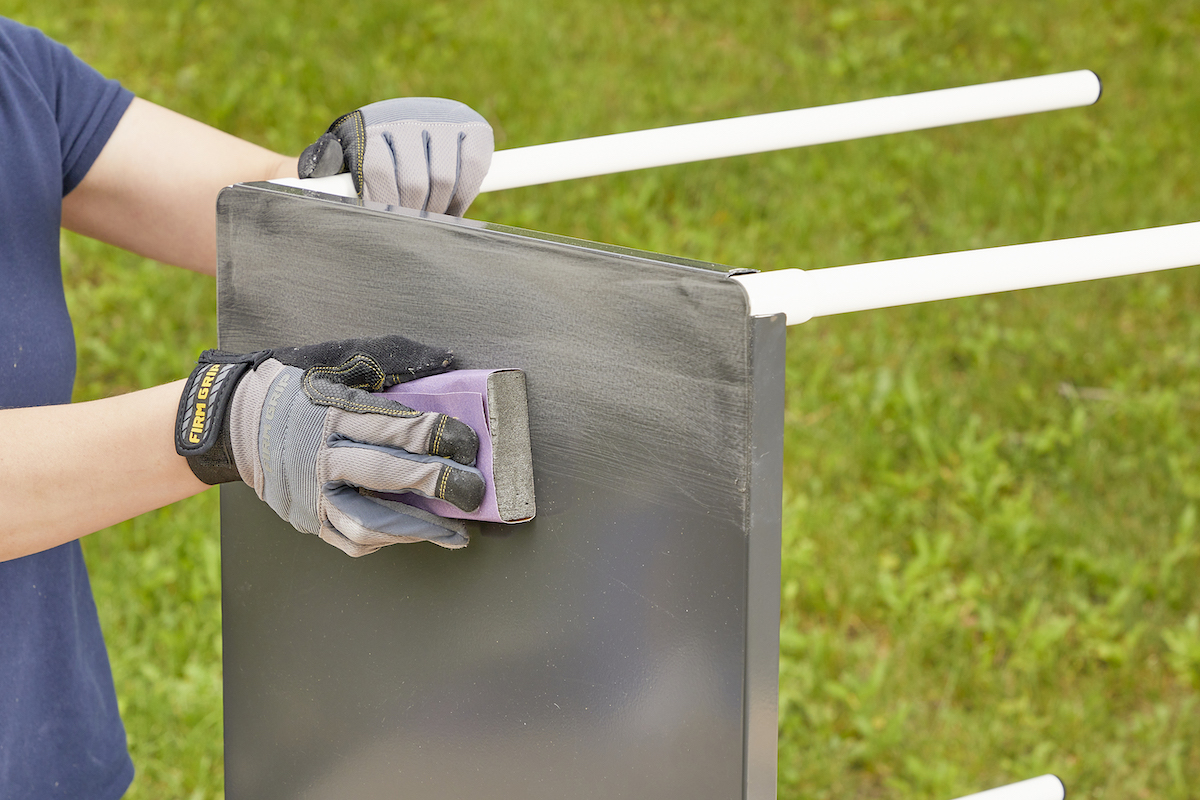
x=764, y=562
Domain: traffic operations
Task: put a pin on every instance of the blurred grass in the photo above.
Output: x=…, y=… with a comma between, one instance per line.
x=991, y=554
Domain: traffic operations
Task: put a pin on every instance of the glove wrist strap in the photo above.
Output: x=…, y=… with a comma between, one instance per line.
x=202, y=422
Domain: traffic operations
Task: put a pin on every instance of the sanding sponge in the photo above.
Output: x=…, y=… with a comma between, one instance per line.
x=494, y=403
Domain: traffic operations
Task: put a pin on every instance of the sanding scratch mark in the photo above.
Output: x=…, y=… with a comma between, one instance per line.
x=608, y=574
x=645, y=599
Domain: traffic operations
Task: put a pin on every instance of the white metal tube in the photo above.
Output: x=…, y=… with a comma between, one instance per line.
x=1046, y=787
x=760, y=133
x=804, y=294
x=681, y=144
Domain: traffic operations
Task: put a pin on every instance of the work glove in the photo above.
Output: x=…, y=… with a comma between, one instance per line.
x=425, y=153
x=303, y=427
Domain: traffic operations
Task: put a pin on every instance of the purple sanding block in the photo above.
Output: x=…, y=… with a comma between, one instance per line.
x=494, y=404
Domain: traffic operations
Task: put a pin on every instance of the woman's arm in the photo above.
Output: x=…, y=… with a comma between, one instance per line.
x=153, y=188
x=70, y=470
x=73, y=469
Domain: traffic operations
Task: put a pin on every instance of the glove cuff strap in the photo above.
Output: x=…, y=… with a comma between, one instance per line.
x=202, y=423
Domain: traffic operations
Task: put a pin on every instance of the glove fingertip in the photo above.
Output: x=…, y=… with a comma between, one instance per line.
x=322, y=158
x=461, y=488
x=453, y=439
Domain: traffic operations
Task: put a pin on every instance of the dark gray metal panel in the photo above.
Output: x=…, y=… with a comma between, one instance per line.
x=604, y=650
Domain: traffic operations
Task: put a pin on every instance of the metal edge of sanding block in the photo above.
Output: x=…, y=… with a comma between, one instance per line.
x=512, y=453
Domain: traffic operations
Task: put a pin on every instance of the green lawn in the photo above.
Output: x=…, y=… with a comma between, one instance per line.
x=991, y=548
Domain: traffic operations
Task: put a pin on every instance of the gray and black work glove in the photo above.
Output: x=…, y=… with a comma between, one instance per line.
x=302, y=427
x=425, y=153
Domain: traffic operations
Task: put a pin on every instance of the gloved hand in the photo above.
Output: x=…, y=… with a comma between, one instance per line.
x=303, y=428
x=425, y=153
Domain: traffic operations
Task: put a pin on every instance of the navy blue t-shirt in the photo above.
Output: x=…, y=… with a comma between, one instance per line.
x=60, y=732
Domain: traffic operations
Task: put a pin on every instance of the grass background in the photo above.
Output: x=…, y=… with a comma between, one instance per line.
x=991, y=553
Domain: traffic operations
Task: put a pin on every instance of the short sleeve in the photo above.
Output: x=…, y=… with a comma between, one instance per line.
x=85, y=106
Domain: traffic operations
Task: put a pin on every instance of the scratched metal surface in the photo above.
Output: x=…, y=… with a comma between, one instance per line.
x=622, y=645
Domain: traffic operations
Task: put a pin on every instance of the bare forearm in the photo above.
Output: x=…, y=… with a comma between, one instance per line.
x=153, y=189
x=73, y=469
